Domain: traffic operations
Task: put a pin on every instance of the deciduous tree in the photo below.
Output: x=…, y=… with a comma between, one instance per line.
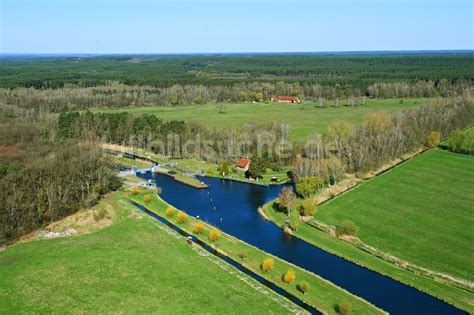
x=267, y=264
x=258, y=166
x=287, y=199
x=289, y=276
x=434, y=138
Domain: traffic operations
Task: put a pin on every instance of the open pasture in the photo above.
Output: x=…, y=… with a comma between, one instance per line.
x=303, y=119
x=131, y=266
x=421, y=211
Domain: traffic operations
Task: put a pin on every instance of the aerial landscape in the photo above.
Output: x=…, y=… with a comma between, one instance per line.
x=240, y=157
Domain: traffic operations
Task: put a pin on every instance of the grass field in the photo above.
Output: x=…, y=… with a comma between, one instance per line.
x=132, y=266
x=421, y=211
x=302, y=121
x=456, y=296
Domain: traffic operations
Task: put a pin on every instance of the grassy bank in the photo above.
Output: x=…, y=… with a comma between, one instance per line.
x=322, y=294
x=191, y=181
x=405, y=213
x=266, y=179
x=133, y=266
x=303, y=119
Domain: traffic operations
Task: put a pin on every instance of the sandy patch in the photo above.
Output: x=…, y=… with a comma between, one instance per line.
x=262, y=213
x=82, y=222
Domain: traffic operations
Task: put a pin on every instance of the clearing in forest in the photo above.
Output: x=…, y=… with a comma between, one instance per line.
x=303, y=119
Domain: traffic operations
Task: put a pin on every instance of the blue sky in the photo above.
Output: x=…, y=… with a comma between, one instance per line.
x=145, y=26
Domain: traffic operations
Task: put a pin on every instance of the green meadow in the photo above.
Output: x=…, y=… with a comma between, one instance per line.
x=303, y=119
x=131, y=266
x=421, y=211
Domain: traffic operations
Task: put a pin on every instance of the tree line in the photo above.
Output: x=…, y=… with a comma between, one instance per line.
x=116, y=95
x=176, y=138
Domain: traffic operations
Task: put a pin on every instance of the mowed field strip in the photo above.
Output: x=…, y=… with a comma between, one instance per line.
x=302, y=122
x=421, y=211
x=132, y=266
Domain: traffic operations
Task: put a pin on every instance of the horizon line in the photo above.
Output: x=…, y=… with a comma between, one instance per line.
x=468, y=50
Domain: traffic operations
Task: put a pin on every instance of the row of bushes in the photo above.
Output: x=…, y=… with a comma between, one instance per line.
x=182, y=217
x=290, y=276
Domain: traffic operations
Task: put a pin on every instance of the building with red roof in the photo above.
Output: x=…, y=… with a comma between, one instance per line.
x=243, y=164
x=285, y=99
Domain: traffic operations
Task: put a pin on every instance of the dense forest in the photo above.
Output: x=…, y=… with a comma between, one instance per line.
x=42, y=177
x=76, y=83
x=357, y=71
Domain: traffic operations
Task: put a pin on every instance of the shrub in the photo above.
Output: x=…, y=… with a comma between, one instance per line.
x=455, y=139
x=100, y=214
x=289, y=276
x=159, y=190
x=91, y=200
x=182, y=217
x=146, y=198
x=294, y=224
x=434, y=139
x=170, y=211
x=3, y=238
x=214, y=235
x=303, y=287
x=243, y=256
x=135, y=190
x=198, y=228
x=97, y=189
x=224, y=169
x=267, y=264
x=346, y=228
x=308, y=207
x=308, y=186
x=344, y=308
